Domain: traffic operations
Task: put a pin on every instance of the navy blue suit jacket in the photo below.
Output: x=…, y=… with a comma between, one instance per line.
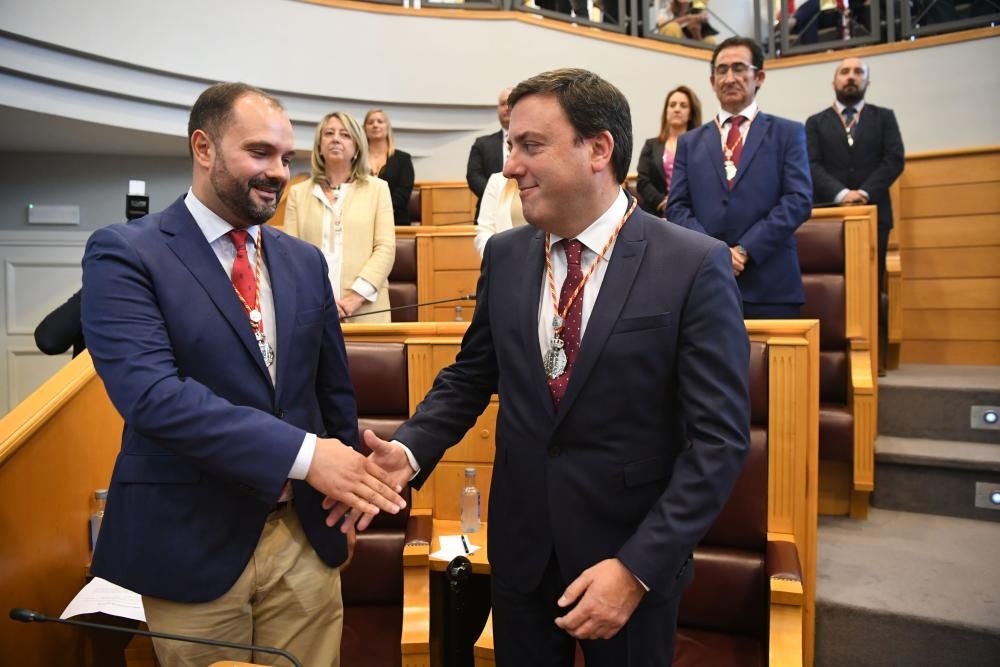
x=770, y=198
x=653, y=428
x=208, y=439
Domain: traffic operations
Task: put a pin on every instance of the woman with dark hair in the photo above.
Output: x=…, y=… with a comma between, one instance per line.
x=681, y=112
x=392, y=165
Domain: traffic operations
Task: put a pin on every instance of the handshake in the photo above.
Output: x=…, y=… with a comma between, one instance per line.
x=357, y=486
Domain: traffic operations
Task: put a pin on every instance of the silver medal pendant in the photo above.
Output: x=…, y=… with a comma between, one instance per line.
x=255, y=316
x=554, y=361
x=266, y=351
x=850, y=139
x=730, y=170
x=557, y=322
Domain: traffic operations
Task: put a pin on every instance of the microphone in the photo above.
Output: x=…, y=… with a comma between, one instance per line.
x=465, y=297
x=29, y=616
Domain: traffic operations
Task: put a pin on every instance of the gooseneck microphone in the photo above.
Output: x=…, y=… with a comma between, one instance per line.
x=29, y=616
x=464, y=297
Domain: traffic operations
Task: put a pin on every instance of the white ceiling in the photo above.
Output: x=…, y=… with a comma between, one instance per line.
x=29, y=132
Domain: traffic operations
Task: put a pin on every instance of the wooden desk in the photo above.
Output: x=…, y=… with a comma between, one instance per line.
x=480, y=563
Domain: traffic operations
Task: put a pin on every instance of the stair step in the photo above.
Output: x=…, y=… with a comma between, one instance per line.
x=937, y=453
x=936, y=477
x=933, y=402
x=907, y=589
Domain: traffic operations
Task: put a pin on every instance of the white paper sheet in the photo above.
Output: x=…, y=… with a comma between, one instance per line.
x=451, y=546
x=102, y=595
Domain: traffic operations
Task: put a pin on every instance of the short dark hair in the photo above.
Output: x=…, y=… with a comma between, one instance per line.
x=213, y=110
x=756, y=53
x=592, y=105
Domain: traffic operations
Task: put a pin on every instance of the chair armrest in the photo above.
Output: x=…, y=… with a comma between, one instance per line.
x=861, y=398
x=416, y=637
x=894, y=288
x=483, y=648
x=787, y=601
x=417, y=541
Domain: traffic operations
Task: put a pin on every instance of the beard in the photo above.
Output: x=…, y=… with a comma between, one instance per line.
x=850, y=95
x=238, y=197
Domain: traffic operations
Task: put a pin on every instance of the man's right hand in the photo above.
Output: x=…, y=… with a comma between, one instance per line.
x=387, y=458
x=350, y=479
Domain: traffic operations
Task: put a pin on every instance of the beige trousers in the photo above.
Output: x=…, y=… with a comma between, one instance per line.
x=286, y=598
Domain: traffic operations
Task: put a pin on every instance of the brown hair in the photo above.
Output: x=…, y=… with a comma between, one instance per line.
x=213, y=110
x=694, y=118
x=592, y=105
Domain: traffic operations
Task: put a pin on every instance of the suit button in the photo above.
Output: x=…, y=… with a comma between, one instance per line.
x=725, y=201
x=554, y=451
x=279, y=413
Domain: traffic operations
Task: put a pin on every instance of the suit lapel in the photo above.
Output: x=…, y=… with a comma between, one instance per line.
x=658, y=150
x=711, y=141
x=279, y=270
x=755, y=136
x=528, y=317
x=189, y=245
x=625, y=261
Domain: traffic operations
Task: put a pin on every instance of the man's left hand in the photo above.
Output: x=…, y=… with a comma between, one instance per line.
x=610, y=593
x=739, y=260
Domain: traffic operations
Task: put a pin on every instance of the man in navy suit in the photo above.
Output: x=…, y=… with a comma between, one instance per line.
x=744, y=179
x=218, y=341
x=856, y=154
x=488, y=153
x=624, y=415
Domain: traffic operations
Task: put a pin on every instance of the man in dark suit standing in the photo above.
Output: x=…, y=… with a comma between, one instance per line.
x=744, y=179
x=488, y=152
x=856, y=154
x=618, y=350
x=218, y=341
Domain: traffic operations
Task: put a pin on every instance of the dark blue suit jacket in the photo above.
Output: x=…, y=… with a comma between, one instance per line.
x=654, y=425
x=208, y=439
x=771, y=197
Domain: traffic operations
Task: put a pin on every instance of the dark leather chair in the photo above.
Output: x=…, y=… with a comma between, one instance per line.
x=725, y=613
x=415, y=206
x=403, y=280
x=845, y=368
x=376, y=586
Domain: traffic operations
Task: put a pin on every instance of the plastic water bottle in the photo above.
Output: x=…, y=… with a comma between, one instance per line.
x=469, y=516
x=97, y=516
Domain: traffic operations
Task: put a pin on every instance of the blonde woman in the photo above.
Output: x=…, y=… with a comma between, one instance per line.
x=347, y=213
x=392, y=165
x=500, y=209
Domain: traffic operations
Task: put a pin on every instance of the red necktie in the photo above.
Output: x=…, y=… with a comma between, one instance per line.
x=244, y=279
x=734, y=141
x=571, y=326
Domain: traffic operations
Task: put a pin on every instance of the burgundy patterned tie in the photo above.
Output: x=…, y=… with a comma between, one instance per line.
x=733, y=141
x=243, y=275
x=571, y=326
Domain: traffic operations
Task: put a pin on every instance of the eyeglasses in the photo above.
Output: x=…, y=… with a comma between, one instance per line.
x=738, y=69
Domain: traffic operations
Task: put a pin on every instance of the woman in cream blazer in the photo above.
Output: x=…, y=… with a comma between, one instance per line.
x=500, y=209
x=347, y=213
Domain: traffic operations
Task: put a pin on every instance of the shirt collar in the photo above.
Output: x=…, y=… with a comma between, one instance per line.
x=747, y=113
x=597, y=234
x=210, y=224
x=840, y=107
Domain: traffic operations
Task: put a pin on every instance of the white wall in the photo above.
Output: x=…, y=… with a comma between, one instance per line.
x=438, y=78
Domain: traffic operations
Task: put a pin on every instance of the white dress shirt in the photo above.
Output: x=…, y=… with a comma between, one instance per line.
x=839, y=106
x=216, y=232
x=593, y=239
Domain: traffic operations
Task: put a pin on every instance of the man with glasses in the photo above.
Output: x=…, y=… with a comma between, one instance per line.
x=743, y=178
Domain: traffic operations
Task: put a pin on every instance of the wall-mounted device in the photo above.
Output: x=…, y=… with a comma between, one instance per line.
x=136, y=201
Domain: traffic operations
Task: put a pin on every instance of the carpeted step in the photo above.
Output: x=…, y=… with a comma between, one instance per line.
x=907, y=589
x=937, y=477
x=933, y=402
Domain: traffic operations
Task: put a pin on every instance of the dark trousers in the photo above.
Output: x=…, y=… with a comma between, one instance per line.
x=771, y=311
x=525, y=633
